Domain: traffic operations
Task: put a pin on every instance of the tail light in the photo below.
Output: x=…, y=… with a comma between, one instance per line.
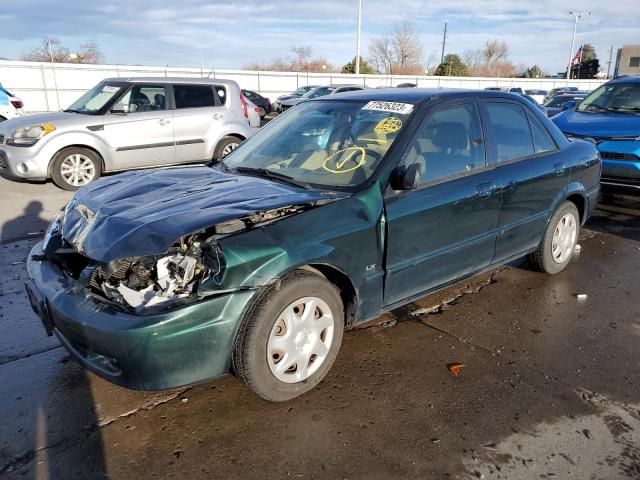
x=257, y=109
x=244, y=106
x=17, y=103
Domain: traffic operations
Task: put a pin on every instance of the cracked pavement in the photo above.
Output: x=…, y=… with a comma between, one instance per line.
x=551, y=388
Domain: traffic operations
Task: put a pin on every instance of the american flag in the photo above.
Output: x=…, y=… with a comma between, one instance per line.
x=578, y=58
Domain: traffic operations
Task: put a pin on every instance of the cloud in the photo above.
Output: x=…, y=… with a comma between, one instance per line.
x=232, y=33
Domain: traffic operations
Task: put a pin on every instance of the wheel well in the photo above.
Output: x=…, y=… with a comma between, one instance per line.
x=580, y=203
x=343, y=283
x=76, y=146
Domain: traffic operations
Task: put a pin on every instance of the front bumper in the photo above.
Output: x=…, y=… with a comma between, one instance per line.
x=620, y=164
x=23, y=162
x=153, y=352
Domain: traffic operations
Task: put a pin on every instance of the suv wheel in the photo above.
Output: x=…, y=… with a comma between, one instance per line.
x=556, y=248
x=290, y=337
x=75, y=167
x=226, y=146
x=2, y=119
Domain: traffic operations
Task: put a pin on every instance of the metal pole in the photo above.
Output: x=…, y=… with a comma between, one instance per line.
x=357, y=70
x=444, y=42
x=201, y=64
x=576, y=16
x=53, y=70
x=44, y=86
x=609, y=62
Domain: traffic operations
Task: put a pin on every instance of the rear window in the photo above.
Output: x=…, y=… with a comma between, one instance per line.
x=194, y=96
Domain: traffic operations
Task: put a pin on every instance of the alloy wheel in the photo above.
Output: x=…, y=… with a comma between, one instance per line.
x=229, y=148
x=564, y=238
x=77, y=169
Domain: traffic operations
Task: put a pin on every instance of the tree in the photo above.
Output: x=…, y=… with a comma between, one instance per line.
x=588, y=65
x=364, y=67
x=398, y=53
x=302, y=62
x=302, y=55
x=533, y=72
x=51, y=48
x=452, y=66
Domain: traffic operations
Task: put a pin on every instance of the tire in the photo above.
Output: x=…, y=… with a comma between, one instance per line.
x=225, y=147
x=556, y=247
x=261, y=112
x=2, y=119
x=89, y=168
x=257, y=353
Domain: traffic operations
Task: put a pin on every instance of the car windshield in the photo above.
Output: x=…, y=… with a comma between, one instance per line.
x=560, y=99
x=617, y=97
x=96, y=98
x=318, y=92
x=324, y=144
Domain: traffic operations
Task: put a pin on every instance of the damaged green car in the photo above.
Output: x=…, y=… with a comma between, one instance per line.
x=335, y=212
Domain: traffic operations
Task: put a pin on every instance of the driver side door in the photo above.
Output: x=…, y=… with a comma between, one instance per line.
x=142, y=137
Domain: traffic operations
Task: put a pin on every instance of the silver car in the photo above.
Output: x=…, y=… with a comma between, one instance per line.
x=127, y=123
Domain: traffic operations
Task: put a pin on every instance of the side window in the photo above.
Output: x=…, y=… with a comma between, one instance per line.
x=542, y=140
x=193, y=96
x=448, y=142
x=248, y=94
x=144, y=98
x=511, y=132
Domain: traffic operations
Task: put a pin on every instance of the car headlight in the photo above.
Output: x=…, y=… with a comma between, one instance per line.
x=29, y=135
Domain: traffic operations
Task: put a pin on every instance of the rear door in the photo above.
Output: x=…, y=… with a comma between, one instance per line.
x=144, y=136
x=530, y=171
x=199, y=112
x=447, y=227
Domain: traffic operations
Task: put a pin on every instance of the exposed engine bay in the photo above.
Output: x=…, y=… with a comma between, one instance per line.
x=190, y=270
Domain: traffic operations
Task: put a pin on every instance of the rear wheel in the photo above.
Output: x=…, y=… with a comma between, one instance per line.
x=2, y=119
x=262, y=112
x=290, y=337
x=226, y=146
x=75, y=167
x=556, y=248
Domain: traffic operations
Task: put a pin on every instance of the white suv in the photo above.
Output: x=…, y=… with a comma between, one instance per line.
x=127, y=123
x=10, y=105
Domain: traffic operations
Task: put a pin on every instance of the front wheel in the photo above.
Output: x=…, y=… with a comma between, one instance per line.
x=226, y=146
x=556, y=248
x=290, y=337
x=75, y=167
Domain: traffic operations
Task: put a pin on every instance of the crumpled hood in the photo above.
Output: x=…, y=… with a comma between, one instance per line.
x=598, y=124
x=58, y=119
x=144, y=212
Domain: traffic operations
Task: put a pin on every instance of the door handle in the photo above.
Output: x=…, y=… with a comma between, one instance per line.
x=484, y=190
x=164, y=121
x=218, y=116
x=560, y=168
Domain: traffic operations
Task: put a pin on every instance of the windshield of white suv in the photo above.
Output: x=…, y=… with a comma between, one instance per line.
x=324, y=144
x=95, y=99
x=318, y=92
x=617, y=97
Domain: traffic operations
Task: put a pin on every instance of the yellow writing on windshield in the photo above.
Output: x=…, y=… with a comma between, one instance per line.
x=388, y=125
x=345, y=160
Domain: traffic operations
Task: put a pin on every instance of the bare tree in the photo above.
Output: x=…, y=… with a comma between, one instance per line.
x=302, y=55
x=495, y=50
x=398, y=53
x=51, y=49
x=474, y=60
x=490, y=61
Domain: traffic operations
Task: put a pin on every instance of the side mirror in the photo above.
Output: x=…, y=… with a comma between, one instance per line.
x=568, y=105
x=120, y=109
x=406, y=178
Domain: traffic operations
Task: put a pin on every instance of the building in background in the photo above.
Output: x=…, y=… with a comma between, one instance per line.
x=627, y=61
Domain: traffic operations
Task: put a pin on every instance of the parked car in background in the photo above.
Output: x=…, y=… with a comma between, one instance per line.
x=348, y=206
x=10, y=105
x=537, y=95
x=406, y=85
x=557, y=91
x=535, y=103
x=254, y=114
x=263, y=103
x=516, y=90
x=610, y=118
x=127, y=123
x=296, y=93
x=319, y=92
x=555, y=104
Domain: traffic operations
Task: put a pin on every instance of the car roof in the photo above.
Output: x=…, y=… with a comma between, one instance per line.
x=626, y=79
x=182, y=80
x=414, y=95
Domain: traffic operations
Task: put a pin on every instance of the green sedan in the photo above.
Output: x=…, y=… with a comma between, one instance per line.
x=340, y=209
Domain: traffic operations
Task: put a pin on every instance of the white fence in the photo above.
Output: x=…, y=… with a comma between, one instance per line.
x=46, y=87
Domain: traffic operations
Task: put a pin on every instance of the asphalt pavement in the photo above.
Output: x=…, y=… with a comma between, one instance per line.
x=550, y=387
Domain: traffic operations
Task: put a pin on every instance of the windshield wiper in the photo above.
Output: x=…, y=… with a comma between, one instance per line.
x=71, y=110
x=596, y=107
x=626, y=109
x=263, y=172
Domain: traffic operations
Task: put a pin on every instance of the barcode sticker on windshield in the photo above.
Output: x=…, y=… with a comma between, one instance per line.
x=109, y=89
x=393, y=107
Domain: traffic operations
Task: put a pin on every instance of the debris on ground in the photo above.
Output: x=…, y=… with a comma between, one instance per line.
x=490, y=446
x=587, y=433
x=581, y=296
x=577, y=248
x=454, y=368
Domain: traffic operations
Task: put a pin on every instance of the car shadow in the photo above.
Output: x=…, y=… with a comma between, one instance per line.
x=618, y=215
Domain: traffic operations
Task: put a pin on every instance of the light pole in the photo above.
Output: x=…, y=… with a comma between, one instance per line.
x=576, y=16
x=357, y=70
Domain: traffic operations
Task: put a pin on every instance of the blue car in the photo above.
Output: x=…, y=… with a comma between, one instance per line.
x=610, y=118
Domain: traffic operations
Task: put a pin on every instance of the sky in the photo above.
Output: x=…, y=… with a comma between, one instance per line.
x=231, y=34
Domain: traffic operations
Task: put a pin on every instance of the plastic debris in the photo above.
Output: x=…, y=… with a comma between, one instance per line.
x=587, y=433
x=581, y=296
x=490, y=446
x=454, y=368
x=577, y=248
